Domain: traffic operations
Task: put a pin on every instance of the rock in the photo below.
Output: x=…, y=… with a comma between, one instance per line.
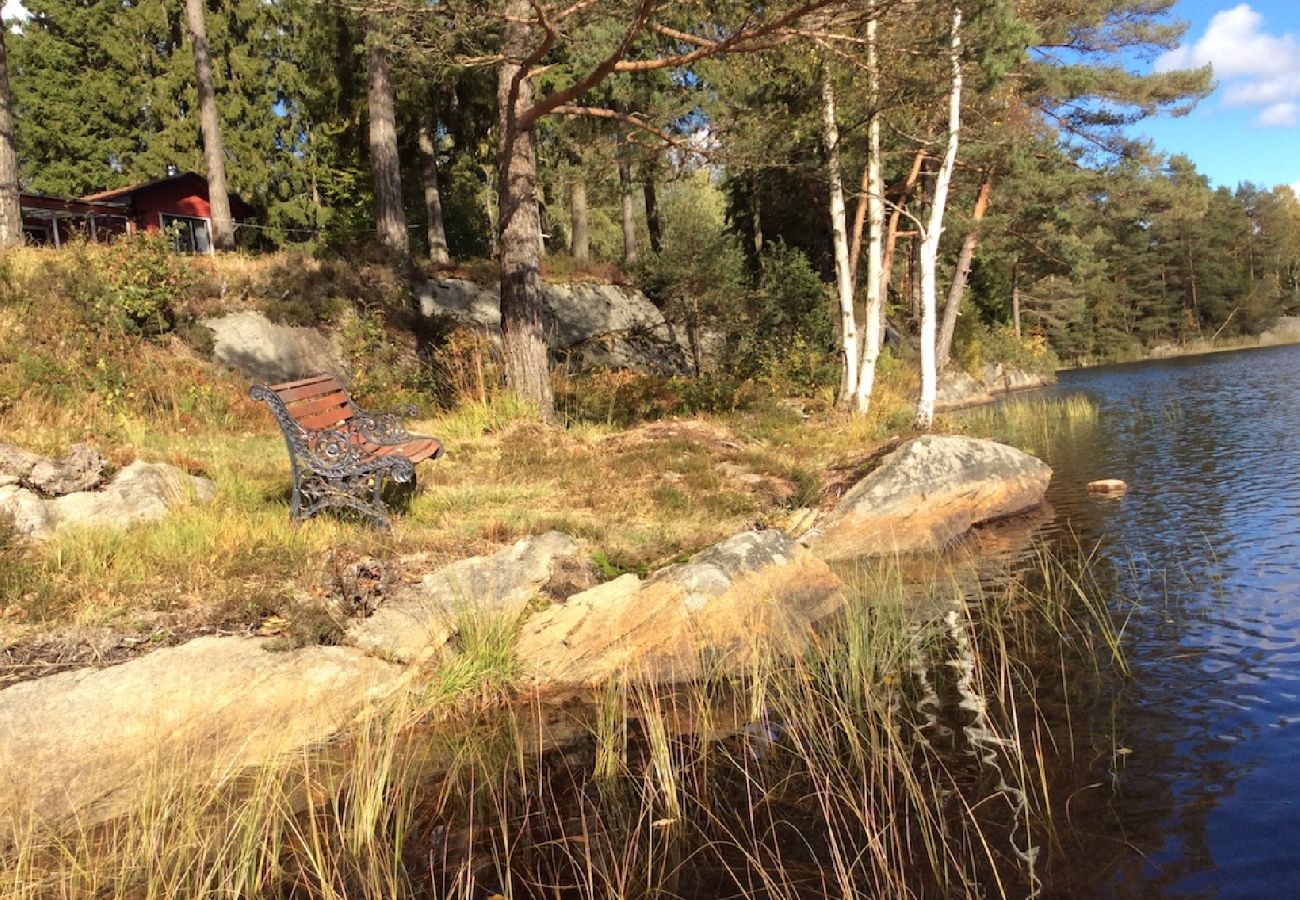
x=1107, y=486
x=81, y=470
x=757, y=588
x=928, y=492
x=417, y=621
x=958, y=388
x=1286, y=330
x=255, y=346
x=89, y=741
x=142, y=492
x=31, y=517
x=587, y=325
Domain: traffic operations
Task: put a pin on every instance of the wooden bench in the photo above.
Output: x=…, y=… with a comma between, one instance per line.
x=339, y=454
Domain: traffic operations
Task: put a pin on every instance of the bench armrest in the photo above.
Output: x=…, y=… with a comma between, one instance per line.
x=383, y=428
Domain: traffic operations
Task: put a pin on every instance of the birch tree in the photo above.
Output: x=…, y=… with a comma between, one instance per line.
x=933, y=230
x=840, y=238
x=873, y=326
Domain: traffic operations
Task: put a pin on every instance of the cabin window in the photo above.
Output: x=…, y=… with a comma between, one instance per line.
x=189, y=234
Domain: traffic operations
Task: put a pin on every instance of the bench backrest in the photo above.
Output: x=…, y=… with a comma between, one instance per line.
x=319, y=402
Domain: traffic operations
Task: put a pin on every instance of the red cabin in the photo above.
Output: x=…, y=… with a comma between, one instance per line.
x=177, y=204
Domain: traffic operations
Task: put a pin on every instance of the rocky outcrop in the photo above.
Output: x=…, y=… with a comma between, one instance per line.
x=81, y=470
x=253, y=345
x=754, y=589
x=958, y=388
x=1286, y=330
x=928, y=492
x=87, y=741
x=587, y=325
x=420, y=619
x=141, y=492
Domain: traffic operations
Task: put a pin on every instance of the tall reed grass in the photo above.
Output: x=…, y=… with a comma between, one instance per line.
x=907, y=753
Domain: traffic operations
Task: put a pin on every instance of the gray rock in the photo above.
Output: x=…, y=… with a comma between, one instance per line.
x=142, y=492
x=31, y=517
x=927, y=493
x=81, y=470
x=716, y=569
x=419, y=620
x=958, y=388
x=89, y=741
x=755, y=591
x=255, y=346
x=587, y=325
x=1286, y=330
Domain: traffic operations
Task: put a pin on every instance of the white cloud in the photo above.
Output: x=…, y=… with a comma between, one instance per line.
x=13, y=9
x=1257, y=69
x=1280, y=115
x=1295, y=189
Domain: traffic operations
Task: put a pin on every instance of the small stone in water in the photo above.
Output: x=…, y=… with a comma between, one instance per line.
x=1107, y=486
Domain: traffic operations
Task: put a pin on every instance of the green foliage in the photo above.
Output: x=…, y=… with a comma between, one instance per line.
x=788, y=340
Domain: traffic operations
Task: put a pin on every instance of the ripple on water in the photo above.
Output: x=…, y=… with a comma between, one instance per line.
x=1208, y=541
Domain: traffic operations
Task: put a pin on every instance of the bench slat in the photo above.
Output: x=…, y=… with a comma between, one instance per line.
x=308, y=391
x=328, y=402
x=314, y=379
x=327, y=418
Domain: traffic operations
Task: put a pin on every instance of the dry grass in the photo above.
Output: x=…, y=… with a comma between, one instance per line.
x=838, y=772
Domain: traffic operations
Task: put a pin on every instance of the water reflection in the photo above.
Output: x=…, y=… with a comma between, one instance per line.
x=1207, y=541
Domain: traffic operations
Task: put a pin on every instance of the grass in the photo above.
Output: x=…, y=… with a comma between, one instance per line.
x=896, y=757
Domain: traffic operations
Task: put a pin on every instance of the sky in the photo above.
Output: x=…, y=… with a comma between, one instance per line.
x=1249, y=128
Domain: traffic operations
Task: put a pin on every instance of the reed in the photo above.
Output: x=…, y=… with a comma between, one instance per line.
x=902, y=754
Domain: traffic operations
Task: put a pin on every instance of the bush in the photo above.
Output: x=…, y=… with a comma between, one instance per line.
x=978, y=345
x=624, y=398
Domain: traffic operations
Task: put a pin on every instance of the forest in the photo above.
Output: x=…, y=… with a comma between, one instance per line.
x=795, y=176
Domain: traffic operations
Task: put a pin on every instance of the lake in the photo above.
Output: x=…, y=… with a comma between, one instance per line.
x=1200, y=794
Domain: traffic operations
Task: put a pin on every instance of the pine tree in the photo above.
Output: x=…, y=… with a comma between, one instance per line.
x=11, y=215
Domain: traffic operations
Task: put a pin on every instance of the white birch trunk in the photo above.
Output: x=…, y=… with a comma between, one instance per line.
x=933, y=231
x=839, y=228
x=873, y=327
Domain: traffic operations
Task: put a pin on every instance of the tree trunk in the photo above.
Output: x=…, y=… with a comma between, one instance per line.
x=579, y=242
x=873, y=327
x=933, y=231
x=11, y=214
x=952, y=307
x=523, y=340
x=839, y=231
x=214, y=150
x=435, y=229
x=1015, y=298
x=385, y=168
x=629, y=212
x=895, y=216
x=652, y=214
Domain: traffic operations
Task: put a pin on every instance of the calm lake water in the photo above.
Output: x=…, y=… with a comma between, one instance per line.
x=1200, y=794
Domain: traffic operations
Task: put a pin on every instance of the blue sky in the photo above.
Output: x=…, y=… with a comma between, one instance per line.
x=1249, y=128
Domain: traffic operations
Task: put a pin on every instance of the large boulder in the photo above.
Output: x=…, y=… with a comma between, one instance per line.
x=253, y=345
x=587, y=325
x=420, y=619
x=958, y=388
x=89, y=741
x=81, y=470
x=757, y=589
x=928, y=492
x=141, y=492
